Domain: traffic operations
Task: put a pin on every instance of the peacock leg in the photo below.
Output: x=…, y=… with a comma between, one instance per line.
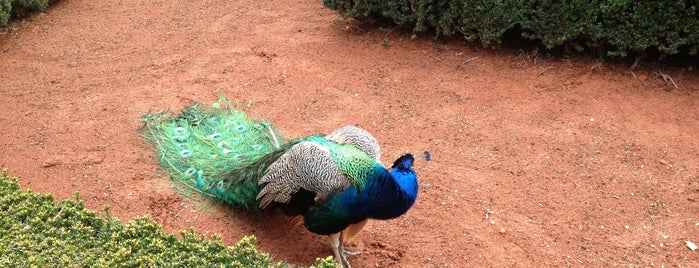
x=343, y=253
x=338, y=250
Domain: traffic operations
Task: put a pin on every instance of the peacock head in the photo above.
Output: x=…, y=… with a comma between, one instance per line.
x=406, y=178
x=404, y=162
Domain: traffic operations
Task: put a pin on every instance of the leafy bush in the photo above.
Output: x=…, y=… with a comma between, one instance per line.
x=5, y=11
x=19, y=8
x=618, y=26
x=36, y=232
x=665, y=26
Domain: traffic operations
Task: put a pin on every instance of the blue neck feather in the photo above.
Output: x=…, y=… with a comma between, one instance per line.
x=398, y=190
x=386, y=195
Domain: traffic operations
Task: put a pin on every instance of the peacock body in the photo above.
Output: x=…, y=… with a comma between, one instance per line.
x=334, y=182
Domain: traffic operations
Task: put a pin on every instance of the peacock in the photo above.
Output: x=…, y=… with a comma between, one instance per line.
x=331, y=183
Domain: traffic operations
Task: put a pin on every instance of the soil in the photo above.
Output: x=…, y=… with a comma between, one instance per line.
x=537, y=160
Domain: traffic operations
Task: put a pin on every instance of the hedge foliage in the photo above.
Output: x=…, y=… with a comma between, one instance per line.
x=19, y=8
x=615, y=26
x=36, y=232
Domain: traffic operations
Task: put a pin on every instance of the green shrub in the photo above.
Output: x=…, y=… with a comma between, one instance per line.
x=5, y=11
x=36, y=232
x=617, y=26
x=20, y=8
x=665, y=26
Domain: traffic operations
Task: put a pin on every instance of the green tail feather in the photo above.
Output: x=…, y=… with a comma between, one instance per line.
x=216, y=150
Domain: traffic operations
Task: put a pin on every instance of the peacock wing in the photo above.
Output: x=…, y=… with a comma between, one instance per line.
x=359, y=138
x=307, y=165
x=322, y=165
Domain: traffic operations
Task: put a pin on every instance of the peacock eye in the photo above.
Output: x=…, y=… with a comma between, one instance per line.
x=185, y=153
x=179, y=130
x=215, y=136
x=190, y=171
x=240, y=128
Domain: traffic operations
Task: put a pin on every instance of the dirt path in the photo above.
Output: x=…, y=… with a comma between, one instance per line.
x=580, y=163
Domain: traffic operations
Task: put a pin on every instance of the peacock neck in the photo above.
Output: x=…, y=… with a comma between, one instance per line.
x=386, y=195
x=395, y=192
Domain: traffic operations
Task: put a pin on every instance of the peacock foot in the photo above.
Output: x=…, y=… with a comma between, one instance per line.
x=343, y=257
x=343, y=261
x=352, y=253
x=339, y=252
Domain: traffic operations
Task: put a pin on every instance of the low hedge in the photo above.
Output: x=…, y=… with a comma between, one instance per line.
x=616, y=27
x=37, y=232
x=19, y=8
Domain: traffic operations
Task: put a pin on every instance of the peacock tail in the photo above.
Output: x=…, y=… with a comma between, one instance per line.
x=217, y=150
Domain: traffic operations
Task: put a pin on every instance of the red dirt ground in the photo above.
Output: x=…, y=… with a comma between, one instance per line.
x=581, y=163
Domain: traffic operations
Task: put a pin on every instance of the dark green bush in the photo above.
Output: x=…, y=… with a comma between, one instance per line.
x=615, y=26
x=5, y=11
x=36, y=232
x=20, y=8
x=665, y=26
